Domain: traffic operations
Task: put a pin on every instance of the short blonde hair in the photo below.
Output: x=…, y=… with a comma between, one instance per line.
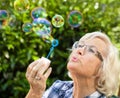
x=108, y=81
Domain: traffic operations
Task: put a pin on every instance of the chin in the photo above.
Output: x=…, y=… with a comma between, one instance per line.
x=71, y=67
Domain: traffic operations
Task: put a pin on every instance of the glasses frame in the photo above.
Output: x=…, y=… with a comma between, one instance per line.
x=96, y=53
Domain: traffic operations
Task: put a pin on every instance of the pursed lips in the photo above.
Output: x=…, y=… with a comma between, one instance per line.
x=74, y=59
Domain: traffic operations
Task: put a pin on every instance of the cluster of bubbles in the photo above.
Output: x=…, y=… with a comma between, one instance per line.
x=3, y=18
x=43, y=27
x=40, y=25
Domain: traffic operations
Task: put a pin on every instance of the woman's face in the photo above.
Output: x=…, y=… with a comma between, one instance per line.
x=84, y=60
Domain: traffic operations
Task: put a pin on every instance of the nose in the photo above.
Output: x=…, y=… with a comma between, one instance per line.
x=81, y=50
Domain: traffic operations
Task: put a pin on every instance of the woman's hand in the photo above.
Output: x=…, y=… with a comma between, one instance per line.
x=37, y=74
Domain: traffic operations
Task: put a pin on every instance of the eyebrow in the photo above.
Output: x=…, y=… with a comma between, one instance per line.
x=93, y=46
x=87, y=44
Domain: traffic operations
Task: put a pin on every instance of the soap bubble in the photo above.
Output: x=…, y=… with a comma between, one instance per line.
x=38, y=12
x=21, y=5
x=75, y=19
x=27, y=27
x=42, y=27
x=58, y=21
x=3, y=15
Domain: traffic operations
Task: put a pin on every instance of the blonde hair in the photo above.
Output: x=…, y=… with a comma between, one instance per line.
x=108, y=81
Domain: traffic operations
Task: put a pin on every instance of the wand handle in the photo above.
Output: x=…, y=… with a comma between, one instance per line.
x=51, y=50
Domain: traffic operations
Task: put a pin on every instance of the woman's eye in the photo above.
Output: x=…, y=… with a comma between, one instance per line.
x=80, y=46
x=91, y=50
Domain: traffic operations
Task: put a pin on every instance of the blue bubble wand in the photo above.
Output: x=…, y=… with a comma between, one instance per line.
x=54, y=44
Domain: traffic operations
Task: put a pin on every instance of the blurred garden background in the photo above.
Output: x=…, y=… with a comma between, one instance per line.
x=19, y=47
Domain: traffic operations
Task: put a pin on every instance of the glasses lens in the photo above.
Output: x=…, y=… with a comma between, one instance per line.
x=75, y=45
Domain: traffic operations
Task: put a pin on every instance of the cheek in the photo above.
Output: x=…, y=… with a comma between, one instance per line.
x=91, y=66
x=87, y=67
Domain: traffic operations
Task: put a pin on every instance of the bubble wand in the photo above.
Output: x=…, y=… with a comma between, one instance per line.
x=54, y=44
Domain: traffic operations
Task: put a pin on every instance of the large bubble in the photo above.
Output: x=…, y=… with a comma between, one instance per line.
x=38, y=12
x=21, y=5
x=42, y=27
x=27, y=27
x=58, y=21
x=75, y=19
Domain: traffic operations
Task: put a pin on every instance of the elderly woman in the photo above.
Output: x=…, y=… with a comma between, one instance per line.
x=93, y=66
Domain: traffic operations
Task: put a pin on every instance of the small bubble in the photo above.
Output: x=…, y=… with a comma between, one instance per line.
x=58, y=21
x=38, y=12
x=26, y=27
x=75, y=19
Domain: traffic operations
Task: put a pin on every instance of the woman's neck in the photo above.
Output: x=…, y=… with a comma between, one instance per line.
x=83, y=87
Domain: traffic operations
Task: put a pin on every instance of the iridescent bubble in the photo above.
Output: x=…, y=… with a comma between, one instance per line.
x=27, y=27
x=42, y=27
x=58, y=21
x=21, y=5
x=75, y=19
x=38, y=12
x=3, y=15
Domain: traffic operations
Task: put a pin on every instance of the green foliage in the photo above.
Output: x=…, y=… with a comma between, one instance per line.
x=18, y=49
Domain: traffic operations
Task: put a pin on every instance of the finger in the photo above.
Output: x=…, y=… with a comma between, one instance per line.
x=29, y=68
x=48, y=72
x=35, y=69
x=44, y=67
x=39, y=68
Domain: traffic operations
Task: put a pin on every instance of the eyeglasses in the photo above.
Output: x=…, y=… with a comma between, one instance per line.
x=88, y=49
